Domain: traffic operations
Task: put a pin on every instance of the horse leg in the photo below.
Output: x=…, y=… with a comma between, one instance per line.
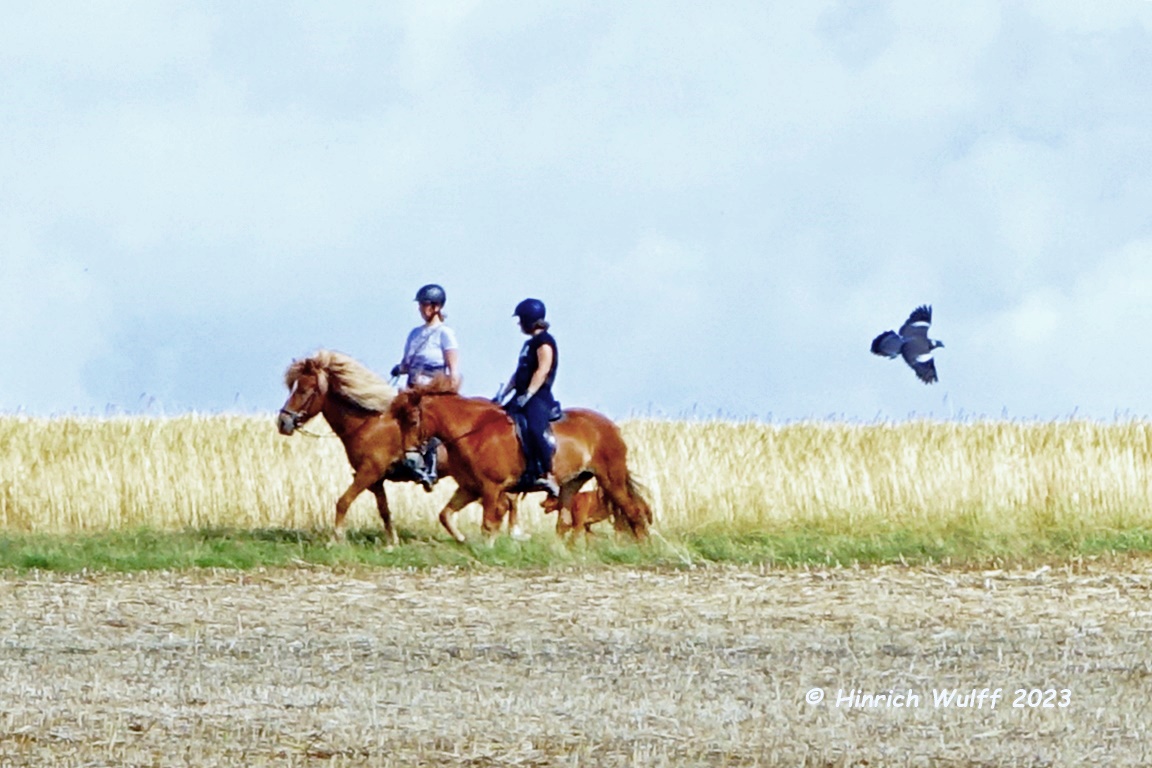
x=360, y=483
x=495, y=505
x=385, y=514
x=513, y=502
x=460, y=499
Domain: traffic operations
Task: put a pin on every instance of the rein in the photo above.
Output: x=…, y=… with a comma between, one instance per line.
x=448, y=440
x=297, y=417
x=458, y=438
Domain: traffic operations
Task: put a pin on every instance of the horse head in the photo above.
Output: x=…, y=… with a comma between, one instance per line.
x=407, y=412
x=408, y=409
x=307, y=382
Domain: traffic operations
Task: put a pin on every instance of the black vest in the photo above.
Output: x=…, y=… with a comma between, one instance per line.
x=529, y=363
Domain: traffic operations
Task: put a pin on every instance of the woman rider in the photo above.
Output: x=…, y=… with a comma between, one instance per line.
x=430, y=350
x=532, y=383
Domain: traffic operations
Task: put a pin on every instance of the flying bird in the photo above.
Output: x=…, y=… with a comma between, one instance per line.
x=912, y=343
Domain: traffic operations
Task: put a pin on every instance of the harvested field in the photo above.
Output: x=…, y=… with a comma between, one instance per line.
x=600, y=667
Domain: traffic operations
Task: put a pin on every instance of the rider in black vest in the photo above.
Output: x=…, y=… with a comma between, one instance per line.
x=532, y=383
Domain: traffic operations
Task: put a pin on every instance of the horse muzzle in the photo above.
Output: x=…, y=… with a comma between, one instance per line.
x=288, y=421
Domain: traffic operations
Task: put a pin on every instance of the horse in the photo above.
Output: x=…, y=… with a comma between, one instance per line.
x=487, y=460
x=355, y=403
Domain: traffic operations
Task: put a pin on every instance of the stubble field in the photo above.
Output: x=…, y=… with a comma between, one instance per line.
x=575, y=667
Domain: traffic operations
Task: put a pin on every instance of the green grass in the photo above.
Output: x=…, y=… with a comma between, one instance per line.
x=146, y=549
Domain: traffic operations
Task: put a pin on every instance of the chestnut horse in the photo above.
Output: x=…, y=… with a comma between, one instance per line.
x=355, y=402
x=487, y=460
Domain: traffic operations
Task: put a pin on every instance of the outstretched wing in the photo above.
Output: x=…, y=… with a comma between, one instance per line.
x=917, y=323
x=918, y=354
x=887, y=344
x=926, y=372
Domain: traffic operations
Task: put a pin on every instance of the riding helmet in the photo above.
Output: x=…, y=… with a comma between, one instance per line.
x=431, y=294
x=529, y=311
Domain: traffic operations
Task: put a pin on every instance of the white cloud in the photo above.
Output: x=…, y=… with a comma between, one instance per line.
x=751, y=187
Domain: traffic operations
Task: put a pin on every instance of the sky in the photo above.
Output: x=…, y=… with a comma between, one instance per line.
x=721, y=204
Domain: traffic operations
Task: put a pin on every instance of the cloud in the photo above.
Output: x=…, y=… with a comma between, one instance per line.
x=721, y=205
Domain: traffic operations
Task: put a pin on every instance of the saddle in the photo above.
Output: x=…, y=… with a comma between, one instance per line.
x=520, y=423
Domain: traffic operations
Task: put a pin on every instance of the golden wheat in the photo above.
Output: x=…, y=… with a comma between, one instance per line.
x=72, y=474
x=1009, y=477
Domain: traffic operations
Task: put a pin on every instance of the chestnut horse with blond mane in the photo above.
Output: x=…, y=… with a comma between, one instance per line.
x=355, y=403
x=487, y=460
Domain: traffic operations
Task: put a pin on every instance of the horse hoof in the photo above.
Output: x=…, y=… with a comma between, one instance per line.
x=519, y=535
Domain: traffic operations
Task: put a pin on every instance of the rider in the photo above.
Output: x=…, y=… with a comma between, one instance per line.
x=532, y=383
x=430, y=350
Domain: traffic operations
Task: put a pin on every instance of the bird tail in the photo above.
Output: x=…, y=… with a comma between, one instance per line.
x=887, y=344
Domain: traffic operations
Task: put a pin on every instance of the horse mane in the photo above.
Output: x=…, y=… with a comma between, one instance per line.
x=346, y=377
x=410, y=398
x=440, y=385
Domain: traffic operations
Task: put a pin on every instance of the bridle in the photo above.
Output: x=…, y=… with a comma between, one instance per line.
x=298, y=417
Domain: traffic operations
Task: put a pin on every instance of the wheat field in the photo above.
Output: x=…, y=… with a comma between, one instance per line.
x=1014, y=479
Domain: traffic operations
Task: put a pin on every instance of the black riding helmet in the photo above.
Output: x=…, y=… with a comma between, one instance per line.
x=431, y=294
x=530, y=311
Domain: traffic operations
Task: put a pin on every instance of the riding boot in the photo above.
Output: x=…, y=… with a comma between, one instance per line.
x=430, y=477
x=534, y=481
x=547, y=483
x=419, y=468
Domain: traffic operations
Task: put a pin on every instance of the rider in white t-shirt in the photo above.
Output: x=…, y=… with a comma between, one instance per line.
x=430, y=350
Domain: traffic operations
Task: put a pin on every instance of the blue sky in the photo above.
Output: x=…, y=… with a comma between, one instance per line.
x=721, y=204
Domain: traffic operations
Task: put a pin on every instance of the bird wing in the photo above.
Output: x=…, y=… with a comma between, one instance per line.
x=917, y=323
x=887, y=344
x=926, y=372
x=918, y=354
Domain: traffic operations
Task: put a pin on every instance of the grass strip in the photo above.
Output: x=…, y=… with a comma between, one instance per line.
x=145, y=549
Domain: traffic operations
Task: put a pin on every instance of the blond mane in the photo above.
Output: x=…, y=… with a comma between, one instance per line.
x=346, y=377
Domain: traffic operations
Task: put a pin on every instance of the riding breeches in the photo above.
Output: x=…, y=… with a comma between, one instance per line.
x=537, y=450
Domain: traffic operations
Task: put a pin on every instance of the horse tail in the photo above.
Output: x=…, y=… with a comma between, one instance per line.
x=638, y=514
x=639, y=494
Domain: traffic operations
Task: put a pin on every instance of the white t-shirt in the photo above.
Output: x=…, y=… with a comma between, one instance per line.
x=424, y=352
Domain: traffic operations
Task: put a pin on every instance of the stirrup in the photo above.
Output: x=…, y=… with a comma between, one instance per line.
x=549, y=486
x=528, y=483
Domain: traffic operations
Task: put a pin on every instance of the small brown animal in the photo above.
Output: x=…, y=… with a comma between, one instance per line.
x=587, y=508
